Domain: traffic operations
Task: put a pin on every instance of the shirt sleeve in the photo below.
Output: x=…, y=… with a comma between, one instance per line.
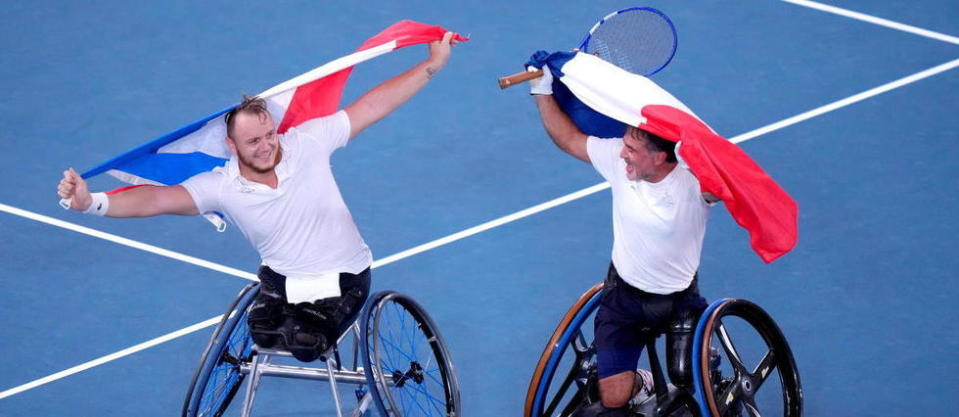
x=205, y=190
x=604, y=155
x=326, y=134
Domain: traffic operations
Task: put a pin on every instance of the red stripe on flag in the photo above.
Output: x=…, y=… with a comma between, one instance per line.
x=752, y=197
x=129, y=187
x=322, y=97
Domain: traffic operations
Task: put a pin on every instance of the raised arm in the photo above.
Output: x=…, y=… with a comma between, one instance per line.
x=391, y=94
x=564, y=133
x=136, y=202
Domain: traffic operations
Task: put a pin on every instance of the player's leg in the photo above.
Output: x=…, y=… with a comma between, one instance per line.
x=319, y=324
x=688, y=307
x=266, y=313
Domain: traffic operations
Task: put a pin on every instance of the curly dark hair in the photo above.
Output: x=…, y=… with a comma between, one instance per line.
x=657, y=144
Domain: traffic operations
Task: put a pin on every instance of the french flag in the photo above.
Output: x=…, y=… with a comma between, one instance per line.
x=199, y=146
x=614, y=98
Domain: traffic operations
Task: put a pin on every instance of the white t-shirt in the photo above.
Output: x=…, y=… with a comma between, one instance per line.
x=302, y=227
x=658, y=228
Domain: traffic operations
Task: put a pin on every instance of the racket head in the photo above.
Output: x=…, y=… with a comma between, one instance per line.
x=641, y=40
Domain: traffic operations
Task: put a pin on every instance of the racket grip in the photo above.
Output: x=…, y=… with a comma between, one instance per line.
x=65, y=203
x=519, y=77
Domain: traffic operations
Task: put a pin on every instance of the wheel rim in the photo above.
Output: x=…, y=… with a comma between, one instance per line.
x=757, y=375
x=218, y=377
x=226, y=377
x=543, y=398
x=409, y=361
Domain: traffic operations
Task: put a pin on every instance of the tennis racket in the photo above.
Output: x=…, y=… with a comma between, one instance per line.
x=641, y=40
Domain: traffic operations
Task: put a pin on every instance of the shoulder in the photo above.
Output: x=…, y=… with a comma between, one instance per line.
x=603, y=149
x=207, y=181
x=604, y=155
x=328, y=132
x=690, y=186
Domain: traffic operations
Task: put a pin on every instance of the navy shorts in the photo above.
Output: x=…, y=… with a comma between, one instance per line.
x=629, y=317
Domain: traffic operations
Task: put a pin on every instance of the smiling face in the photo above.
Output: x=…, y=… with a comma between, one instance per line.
x=254, y=140
x=643, y=163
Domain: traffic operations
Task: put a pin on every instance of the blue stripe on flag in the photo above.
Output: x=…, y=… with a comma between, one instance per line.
x=170, y=168
x=590, y=121
x=132, y=156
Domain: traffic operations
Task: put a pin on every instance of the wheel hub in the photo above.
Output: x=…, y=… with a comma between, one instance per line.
x=415, y=373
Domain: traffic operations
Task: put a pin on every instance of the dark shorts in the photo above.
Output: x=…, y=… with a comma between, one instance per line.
x=331, y=317
x=629, y=317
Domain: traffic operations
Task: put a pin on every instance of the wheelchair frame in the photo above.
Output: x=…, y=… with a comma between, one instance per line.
x=232, y=350
x=709, y=394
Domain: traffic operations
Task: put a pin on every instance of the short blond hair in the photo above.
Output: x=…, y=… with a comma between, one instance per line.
x=251, y=105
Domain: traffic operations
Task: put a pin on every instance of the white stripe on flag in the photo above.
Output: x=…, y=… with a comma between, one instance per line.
x=330, y=68
x=613, y=91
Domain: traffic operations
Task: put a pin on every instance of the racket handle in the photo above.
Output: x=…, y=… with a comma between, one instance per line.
x=519, y=77
x=65, y=203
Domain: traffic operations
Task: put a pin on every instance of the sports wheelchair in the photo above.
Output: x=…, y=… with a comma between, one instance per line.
x=565, y=378
x=406, y=367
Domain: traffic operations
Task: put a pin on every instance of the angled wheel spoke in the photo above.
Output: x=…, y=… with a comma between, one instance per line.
x=435, y=402
x=750, y=406
x=571, y=406
x=730, y=349
x=561, y=392
x=579, y=343
x=728, y=397
x=764, y=369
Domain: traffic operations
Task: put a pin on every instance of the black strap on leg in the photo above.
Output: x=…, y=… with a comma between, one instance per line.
x=597, y=409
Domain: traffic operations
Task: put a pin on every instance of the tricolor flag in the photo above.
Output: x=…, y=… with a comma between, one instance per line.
x=199, y=146
x=754, y=200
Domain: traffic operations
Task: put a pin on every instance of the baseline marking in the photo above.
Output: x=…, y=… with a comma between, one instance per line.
x=418, y=249
x=875, y=20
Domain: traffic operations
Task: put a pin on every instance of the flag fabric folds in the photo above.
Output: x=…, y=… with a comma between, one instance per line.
x=754, y=200
x=199, y=146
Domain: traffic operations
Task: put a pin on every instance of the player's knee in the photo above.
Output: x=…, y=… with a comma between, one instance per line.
x=615, y=391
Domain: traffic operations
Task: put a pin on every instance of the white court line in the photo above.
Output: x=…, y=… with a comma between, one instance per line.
x=127, y=242
x=493, y=223
x=113, y=356
x=846, y=101
x=442, y=241
x=183, y=332
x=875, y=20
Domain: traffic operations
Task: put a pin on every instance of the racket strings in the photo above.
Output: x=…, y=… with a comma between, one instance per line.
x=639, y=41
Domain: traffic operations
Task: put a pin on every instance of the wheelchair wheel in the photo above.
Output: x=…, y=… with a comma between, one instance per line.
x=752, y=350
x=407, y=365
x=218, y=376
x=576, y=368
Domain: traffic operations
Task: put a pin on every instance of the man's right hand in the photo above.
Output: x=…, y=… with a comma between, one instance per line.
x=74, y=187
x=542, y=85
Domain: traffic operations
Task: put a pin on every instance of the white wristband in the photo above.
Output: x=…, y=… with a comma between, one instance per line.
x=99, y=205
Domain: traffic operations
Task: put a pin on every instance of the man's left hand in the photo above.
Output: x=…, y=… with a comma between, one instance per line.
x=440, y=51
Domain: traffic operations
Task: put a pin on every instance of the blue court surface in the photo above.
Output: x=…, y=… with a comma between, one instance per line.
x=867, y=298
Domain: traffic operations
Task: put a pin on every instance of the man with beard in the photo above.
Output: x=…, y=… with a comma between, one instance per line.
x=659, y=221
x=280, y=193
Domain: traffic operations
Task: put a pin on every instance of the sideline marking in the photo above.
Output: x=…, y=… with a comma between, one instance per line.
x=418, y=249
x=855, y=98
x=127, y=242
x=108, y=358
x=875, y=20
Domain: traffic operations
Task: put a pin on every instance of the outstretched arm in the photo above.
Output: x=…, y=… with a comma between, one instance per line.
x=136, y=202
x=388, y=96
x=564, y=133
